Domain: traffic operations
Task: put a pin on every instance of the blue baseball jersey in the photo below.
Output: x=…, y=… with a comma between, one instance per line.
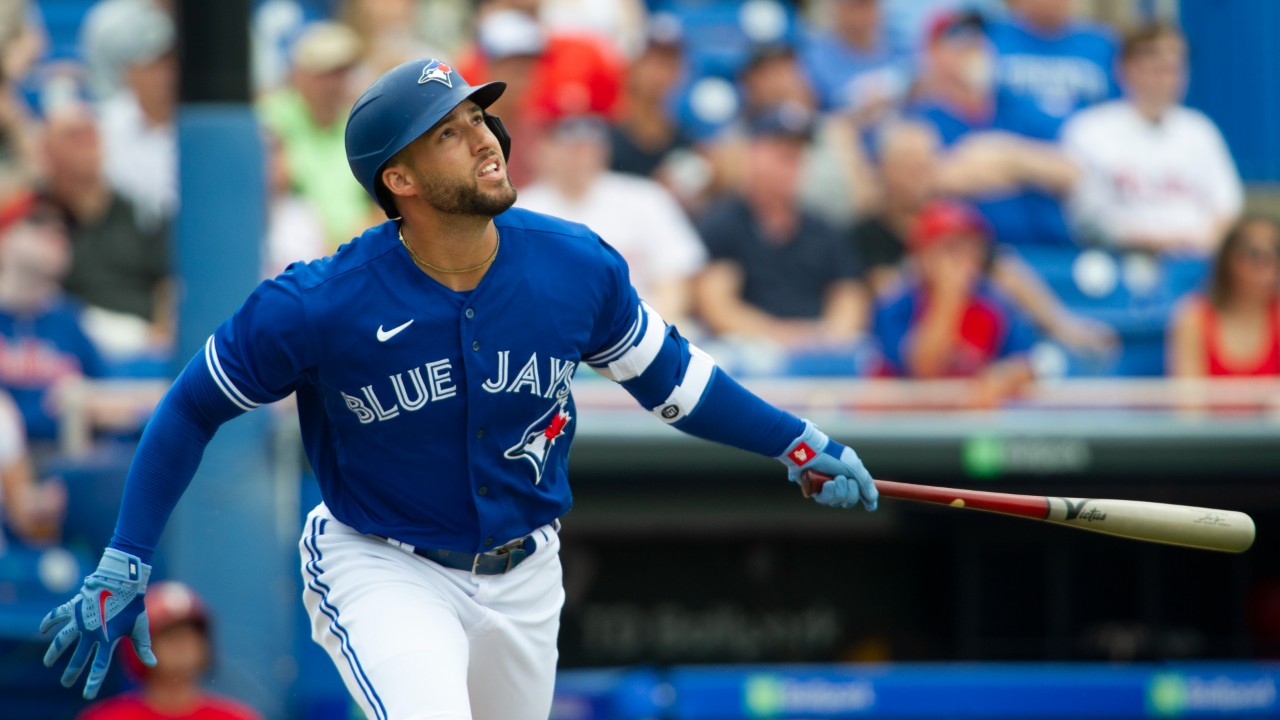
x=1063, y=71
x=439, y=418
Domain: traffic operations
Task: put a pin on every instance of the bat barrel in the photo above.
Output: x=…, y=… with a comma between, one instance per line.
x=1186, y=526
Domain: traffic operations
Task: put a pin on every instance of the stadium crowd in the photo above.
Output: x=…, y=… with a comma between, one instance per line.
x=996, y=190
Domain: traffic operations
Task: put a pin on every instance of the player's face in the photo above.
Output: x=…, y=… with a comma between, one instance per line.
x=457, y=166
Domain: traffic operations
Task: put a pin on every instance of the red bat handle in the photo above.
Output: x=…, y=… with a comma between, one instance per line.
x=1031, y=506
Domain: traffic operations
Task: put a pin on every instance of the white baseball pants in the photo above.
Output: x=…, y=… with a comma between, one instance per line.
x=414, y=640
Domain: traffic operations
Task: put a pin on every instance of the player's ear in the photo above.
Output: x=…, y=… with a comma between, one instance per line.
x=398, y=181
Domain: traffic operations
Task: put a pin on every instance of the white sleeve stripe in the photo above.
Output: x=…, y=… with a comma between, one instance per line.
x=222, y=381
x=685, y=397
x=638, y=357
x=603, y=358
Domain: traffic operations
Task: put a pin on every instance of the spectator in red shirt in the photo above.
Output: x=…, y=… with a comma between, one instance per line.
x=946, y=320
x=1234, y=328
x=171, y=690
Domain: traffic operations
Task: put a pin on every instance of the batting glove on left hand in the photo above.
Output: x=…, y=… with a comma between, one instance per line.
x=108, y=608
x=850, y=482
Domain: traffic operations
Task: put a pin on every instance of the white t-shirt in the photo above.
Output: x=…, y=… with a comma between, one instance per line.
x=140, y=159
x=635, y=215
x=1143, y=179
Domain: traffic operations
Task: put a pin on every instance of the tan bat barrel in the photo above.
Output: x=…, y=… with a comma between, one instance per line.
x=1204, y=528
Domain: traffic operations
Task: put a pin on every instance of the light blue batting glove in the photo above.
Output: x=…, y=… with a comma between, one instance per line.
x=850, y=482
x=108, y=608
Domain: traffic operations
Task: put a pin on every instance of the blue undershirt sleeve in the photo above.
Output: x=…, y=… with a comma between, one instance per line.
x=168, y=455
x=735, y=416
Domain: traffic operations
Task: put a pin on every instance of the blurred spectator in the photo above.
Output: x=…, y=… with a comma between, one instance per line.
x=773, y=76
x=778, y=272
x=1013, y=179
x=549, y=75
x=853, y=66
x=908, y=154
x=947, y=321
x=635, y=215
x=836, y=182
x=646, y=134
x=42, y=344
x=1047, y=54
x=180, y=638
x=33, y=511
x=129, y=48
x=1157, y=175
x=1234, y=328
x=119, y=269
x=21, y=42
x=388, y=34
x=909, y=171
x=622, y=22
x=309, y=117
x=295, y=229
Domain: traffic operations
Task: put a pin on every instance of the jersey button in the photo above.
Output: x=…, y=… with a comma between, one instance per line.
x=483, y=490
x=470, y=313
x=480, y=433
x=488, y=540
x=475, y=345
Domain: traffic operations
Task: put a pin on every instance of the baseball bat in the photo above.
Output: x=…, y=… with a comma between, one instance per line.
x=1194, y=527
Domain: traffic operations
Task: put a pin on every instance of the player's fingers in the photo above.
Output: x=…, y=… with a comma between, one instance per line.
x=101, y=661
x=78, y=660
x=63, y=640
x=867, y=489
x=837, y=492
x=56, y=616
x=141, y=637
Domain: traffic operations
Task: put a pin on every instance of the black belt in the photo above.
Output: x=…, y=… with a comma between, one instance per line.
x=498, y=561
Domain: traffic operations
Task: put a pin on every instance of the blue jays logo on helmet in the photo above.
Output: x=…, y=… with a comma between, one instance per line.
x=535, y=444
x=436, y=71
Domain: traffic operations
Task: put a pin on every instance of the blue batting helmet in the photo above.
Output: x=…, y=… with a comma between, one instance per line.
x=400, y=107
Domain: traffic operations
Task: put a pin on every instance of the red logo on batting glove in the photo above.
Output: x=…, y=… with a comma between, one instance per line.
x=801, y=454
x=102, y=611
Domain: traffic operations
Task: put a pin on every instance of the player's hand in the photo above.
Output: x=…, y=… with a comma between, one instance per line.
x=850, y=483
x=108, y=608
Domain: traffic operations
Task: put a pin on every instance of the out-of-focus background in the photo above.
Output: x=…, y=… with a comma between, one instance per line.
x=1027, y=246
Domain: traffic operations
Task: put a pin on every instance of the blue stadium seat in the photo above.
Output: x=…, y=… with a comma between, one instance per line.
x=1135, y=295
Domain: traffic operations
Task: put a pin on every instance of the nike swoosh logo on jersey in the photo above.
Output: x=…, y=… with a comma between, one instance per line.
x=385, y=335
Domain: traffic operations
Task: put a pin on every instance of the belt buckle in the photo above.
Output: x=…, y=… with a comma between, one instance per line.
x=505, y=550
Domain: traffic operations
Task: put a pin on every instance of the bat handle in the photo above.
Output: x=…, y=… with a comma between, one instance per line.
x=811, y=482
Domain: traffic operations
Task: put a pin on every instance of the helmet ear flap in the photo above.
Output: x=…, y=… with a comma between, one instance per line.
x=499, y=131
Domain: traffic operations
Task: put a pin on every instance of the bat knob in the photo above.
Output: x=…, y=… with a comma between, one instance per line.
x=811, y=482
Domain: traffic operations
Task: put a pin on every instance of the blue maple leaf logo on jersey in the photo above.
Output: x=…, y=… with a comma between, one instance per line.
x=436, y=71
x=541, y=434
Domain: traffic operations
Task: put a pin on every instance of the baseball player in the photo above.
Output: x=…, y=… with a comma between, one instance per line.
x=432, y=359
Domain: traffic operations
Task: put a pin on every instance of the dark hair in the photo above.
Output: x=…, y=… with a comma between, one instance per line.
x=1139, y=41
x=1220, y=282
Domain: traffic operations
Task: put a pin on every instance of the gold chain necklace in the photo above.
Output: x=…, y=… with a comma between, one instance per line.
x=496, y=243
